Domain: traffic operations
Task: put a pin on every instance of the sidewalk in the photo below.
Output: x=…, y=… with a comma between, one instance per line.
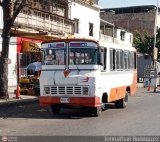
x=13, y=101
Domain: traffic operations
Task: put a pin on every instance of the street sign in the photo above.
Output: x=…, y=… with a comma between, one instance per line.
x=150, y=72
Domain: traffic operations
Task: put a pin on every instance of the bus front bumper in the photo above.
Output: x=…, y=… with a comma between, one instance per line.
x=71, y=101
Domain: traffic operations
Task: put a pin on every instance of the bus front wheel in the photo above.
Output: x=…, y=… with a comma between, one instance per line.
x=96, y=111
x=55, y=108
x=122, y=103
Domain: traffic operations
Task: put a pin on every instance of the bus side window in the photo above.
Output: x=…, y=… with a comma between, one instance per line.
x=104, y=52
x=126, y=60
x=132, y=60
x=121, y=59
x=117, y=59
x=112, y=59
x=105, y=57
x=135, y=60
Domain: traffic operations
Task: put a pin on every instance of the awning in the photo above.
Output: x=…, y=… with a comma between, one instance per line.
x=28, y=46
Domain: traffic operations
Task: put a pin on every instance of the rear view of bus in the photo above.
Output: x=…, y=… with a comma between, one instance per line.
x=75, y=72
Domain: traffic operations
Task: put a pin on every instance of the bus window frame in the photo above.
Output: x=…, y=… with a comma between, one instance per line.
x=104, y=50
x=113, y=59
x=128, y=68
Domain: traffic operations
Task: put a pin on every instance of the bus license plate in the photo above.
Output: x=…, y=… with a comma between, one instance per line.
x=64, y=100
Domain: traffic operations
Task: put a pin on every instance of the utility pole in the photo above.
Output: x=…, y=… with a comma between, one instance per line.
x=155, y=50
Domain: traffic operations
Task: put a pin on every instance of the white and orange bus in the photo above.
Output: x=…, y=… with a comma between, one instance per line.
x=87, y=73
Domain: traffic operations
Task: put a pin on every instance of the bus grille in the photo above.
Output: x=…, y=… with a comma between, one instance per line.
x=69, y=90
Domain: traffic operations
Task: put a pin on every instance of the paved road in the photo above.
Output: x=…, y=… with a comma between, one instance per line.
x=141, y=117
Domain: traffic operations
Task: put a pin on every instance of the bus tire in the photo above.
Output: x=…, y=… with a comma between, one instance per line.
x=122, y=103
x=96, y=111
x=55, y=108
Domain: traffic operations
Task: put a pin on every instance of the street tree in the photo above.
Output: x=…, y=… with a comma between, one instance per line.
x=145, y=43
x=11, y=9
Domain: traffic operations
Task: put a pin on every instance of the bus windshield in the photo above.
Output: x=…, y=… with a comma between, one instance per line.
x=55, y=53
x=82, y=53
x=55, y=56
x=80, y=56
x=78, y=53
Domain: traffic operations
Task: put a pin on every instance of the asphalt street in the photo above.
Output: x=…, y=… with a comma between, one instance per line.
x=141, y=117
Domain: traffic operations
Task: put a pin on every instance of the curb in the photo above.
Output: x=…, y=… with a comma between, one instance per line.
x=139, y=85
x=19, y=102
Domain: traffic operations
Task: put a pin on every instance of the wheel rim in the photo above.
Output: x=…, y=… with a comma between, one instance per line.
x=126, y=99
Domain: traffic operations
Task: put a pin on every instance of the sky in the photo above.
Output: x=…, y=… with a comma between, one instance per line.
x=124, y=3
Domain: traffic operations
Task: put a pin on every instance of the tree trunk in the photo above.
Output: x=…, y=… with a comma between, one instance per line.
x=4, y=65
x=4, y=78
x=8, y=19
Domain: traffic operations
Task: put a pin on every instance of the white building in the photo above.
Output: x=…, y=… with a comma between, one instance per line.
x=87, y=19
x=89, y=25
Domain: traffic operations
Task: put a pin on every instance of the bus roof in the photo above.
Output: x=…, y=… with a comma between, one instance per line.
x=99, y=43
x=71, y=39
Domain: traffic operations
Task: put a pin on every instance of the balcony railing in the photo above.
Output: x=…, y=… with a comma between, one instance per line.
x=114, y=40
x=38, y=20
x=45, y=15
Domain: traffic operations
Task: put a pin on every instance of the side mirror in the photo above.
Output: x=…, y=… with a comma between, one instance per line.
x=100, y=58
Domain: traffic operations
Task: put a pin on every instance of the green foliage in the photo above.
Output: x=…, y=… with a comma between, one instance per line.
x=144, y=43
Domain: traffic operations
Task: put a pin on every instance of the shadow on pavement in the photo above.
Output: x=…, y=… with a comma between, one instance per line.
x=34, y=111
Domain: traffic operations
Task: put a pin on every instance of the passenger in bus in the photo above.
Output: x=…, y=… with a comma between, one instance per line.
x=88, y=60
x=50, y=60
x=71, y=61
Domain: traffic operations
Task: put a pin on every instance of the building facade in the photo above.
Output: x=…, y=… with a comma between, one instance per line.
x=41, y=20
x=136, y=18
x=86, y=26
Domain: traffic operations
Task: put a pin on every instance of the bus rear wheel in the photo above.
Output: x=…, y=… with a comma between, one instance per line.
x=122, y=103
x=56, y=108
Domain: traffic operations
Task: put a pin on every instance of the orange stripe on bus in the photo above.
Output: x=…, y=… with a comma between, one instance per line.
x=119, y=92
x=134, y=84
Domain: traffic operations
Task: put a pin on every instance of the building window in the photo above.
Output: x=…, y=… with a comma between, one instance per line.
x=90, y=29
x=122, y=35
x=76, y=25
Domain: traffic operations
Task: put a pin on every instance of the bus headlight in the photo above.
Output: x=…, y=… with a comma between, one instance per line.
x=85, y=91
x=47, y=90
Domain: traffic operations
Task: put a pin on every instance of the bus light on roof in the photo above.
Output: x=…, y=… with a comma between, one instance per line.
x=75, y=44
x=55, y=45
x=60, y=45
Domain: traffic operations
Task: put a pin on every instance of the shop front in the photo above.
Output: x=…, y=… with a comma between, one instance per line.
x=28, y=53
